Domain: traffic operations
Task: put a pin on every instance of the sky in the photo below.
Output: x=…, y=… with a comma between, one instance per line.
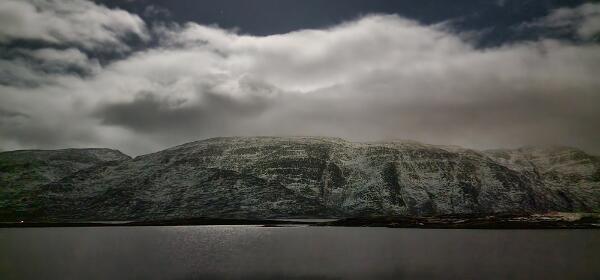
x=143, y=75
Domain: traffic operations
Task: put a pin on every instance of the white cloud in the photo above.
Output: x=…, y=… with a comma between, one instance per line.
x=56, y=59
x=378, y=77
x=584, y=20
x=152, y=11
x=310, y=59
x=67, y=21
x=45, y=66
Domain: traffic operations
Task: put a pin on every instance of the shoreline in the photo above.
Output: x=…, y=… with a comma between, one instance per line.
x=536, y=221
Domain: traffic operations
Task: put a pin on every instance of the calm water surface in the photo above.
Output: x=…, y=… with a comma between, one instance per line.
x=248, y=252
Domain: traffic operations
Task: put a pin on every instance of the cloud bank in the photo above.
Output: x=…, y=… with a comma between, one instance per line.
x=375, y=78
x=67, y=21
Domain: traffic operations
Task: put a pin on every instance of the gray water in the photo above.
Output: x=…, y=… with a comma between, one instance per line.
x=252, y=252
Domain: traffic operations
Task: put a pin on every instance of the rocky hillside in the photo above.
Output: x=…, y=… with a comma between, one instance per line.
x=266, y=177
x=23, y=173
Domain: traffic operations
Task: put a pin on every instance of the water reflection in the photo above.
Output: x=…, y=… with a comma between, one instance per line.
x=243, y=252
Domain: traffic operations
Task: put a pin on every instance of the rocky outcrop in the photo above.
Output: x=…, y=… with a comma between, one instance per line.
x=570, y=177
x=269, y=177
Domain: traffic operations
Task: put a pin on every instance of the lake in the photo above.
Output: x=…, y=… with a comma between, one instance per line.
x=254, y=252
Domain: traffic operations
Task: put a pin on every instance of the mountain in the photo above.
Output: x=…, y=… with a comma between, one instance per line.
x=268, y=177
x=23, y=173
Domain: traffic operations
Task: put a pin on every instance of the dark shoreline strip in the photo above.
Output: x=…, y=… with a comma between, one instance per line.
x=389, y=222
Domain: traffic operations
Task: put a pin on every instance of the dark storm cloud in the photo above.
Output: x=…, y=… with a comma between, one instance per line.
x=146, y=113
x=372, y=78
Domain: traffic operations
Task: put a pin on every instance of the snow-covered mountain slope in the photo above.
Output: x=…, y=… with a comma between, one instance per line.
x=570, y=175
x=266, y=177
x=23, y=172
